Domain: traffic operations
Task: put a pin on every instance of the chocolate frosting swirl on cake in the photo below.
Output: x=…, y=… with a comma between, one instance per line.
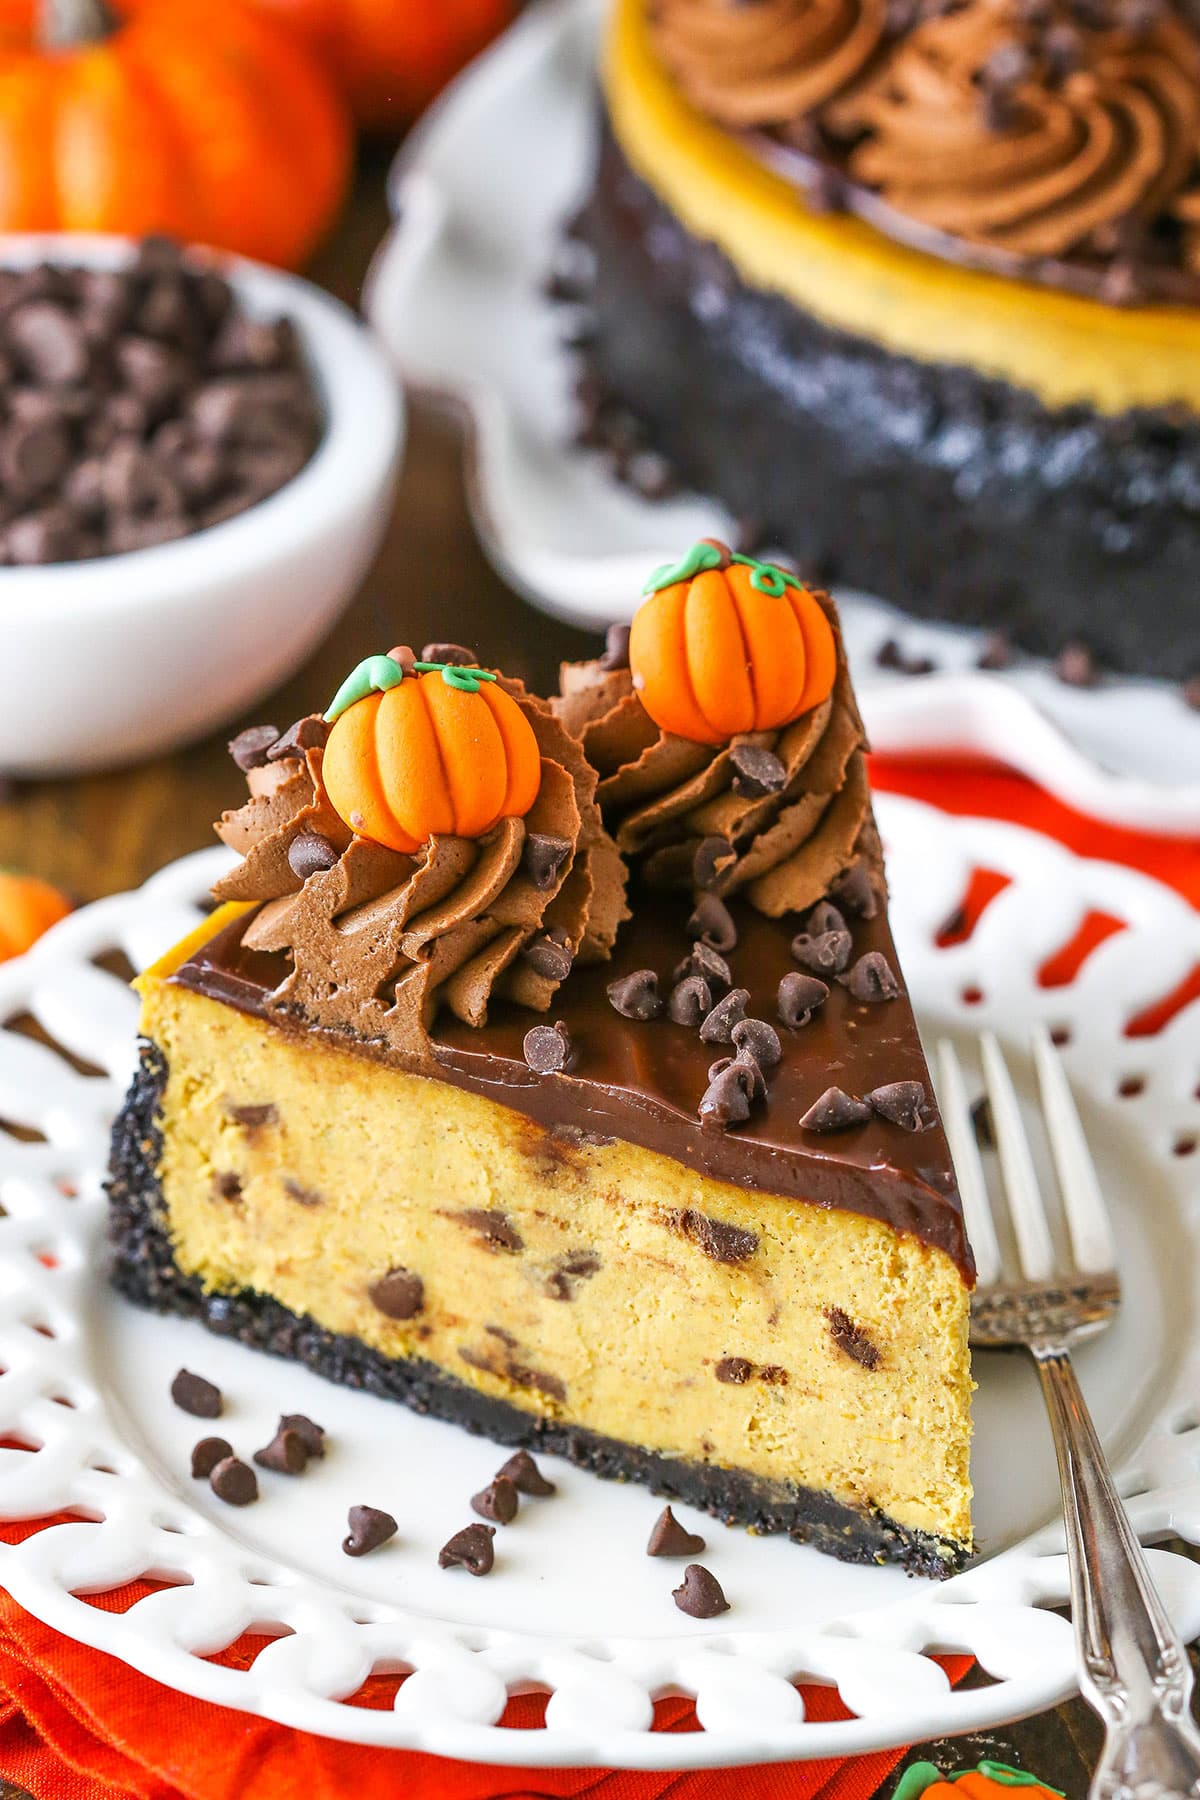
x=378, y=942
x=774, y=815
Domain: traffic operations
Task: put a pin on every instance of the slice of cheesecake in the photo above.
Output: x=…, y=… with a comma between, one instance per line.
x=556, y=1119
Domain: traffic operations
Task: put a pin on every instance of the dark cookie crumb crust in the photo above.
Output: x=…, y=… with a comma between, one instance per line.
x=143, y=1268
x=957, y=496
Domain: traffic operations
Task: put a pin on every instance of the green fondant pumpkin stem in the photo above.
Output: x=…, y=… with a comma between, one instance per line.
x=766, y=577
x=1006, y=1776
x=915, y=1779
x=456, y=676
x=376, y=674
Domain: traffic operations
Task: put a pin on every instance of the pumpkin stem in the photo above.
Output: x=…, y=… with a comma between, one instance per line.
x=70, y=24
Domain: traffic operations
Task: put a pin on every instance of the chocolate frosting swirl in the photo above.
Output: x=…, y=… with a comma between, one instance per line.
x=999, y=132
x=691, y=819
x=379, y=942
x=769, y=62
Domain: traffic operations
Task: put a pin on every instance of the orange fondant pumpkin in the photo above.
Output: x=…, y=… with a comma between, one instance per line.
x=977, y=1785
x=427, y=757
x=27, y=908
x=198, y=118
x=392, y=56
x=736, y=647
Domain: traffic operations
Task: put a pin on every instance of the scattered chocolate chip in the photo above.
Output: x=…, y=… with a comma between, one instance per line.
x=748, y=1073
x=891, y=655
x=311, y=1435
x=727, y=1098
x=997, y=653
x=249, y=748
x=826, y=954
x=1076, y=666
x=636, y=996
x=713, y=856
x=704, y=961
x=669, y=1538
x=494, y=1227
x=286, y=1454
x=758, y=1039
x=457, y=655
x=824, y=918
x=565, y=1275
x=616, y=648
x=398, y=1295
x=303, y=1196
x=856, y=890
x=734, y=1370
x=227, y=1186
x=498, y=1501
x=852, y=1338
x=872, y=979
x=309, y=733
x=901, y=1103
x=773, y=1375
x=799, y=998
x=718, y=1240
x=835, y=1111
x=690, y=1001
x=310, y=854
x=234, y=1482
x=543, y=857
x=699, y=1594
x=756, y=771
x=712, y=923
x=719, y=1023
x=254, y=1117
x=548, y=1049
x=206, y=1454
x=193, y=1394
x=549, y=954
x=470, y=1549
x=525, y=1476
x=369, y=1527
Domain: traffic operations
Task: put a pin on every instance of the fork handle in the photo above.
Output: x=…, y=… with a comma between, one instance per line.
x=1133, y=1670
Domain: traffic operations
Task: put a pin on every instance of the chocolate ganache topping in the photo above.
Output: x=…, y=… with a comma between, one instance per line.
x=378, y=940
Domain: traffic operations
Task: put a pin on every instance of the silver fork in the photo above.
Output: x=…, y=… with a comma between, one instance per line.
x=1133, y=1670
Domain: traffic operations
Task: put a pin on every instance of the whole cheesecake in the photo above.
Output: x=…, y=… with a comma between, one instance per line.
x=547, y=1067
x=914, y=289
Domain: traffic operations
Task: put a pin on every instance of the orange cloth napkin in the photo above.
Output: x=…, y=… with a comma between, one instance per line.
x=76, y=1725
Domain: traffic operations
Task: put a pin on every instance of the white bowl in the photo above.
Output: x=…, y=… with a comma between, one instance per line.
x=120, y=657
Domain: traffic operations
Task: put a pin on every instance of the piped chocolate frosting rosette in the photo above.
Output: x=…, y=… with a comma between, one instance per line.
x=432, y=842
x=726, y=737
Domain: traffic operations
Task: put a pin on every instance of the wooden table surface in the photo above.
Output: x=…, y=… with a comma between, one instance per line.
x=104, y=833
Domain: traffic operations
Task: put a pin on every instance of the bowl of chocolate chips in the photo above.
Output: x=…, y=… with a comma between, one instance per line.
x=197, y=460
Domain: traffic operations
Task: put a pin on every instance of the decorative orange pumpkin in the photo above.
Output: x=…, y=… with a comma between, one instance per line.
x=427, y=749
x=198, y=118
x=725, y=644
x=988, y=1781
x=27, y=908
x=393, y=56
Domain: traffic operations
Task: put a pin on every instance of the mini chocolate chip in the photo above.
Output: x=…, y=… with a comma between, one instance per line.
x=826, y=954
x=310, y=854
x=498, y=1501
x=309, y=733
x=712, y=923
x=719, y=1023
x=749, y=1073
x=824, y=917
x=471, y=1548
x=901, y=1103
x=636, y=996
x=690, y=1002
x=398, y=1295
x=759, y=1039
x=543, y=857
x=494, y=1227
x=254, y=1117
x=549, y=954
x=234, y=1482
x=193, y=1394
x=713, y=856
x=369, y=1527
x=207, y=1454
x=871, y=979
x=669, y=1538
x=835, y=1111
x=311, y=1435
x=856, y=890
x=997, y=653
x=725, y=1100
x=457, y=655
x=852, y=1338
x=699, y=1595
x=723, y=1242
x=616, y=648
x=286, y=1454
x=249, y=748
x=548, y=1049
x=704, y=961
x=1076, y=666
x=525, y=1476
x=892, y=655
x=756, y=771
x=227, y=1186
x=734, y=1370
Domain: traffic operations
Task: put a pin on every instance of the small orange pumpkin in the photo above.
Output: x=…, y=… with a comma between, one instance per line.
x=724, y=644
x=440, y=750
x=28, y=907
x=988, y=1781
